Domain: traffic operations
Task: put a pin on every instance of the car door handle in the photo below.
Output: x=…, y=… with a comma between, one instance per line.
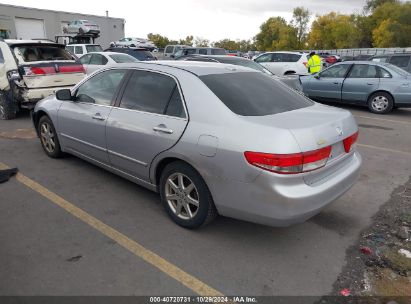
x=98, y=116
x=336, y=82
x=369, y=83
x=163, y=129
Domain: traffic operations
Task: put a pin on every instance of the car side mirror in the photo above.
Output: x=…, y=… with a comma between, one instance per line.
x=317, y=76
x=64, y=94
x=172, y=56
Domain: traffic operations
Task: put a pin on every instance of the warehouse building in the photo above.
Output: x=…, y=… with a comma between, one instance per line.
x=17, y=22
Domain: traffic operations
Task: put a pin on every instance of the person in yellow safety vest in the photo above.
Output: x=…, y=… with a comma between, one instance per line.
x=314, y=63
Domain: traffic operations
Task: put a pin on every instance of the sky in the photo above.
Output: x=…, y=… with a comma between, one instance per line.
x=209, y=19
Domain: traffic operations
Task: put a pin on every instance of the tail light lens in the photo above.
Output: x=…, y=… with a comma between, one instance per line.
x=72, y=69
x=290, y=163
x=350, y=141
x=29, y=71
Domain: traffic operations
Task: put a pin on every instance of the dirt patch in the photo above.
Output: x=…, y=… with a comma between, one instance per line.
x=19, y=134
x=378, y=265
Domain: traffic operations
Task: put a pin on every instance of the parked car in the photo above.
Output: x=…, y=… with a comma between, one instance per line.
x=81, y=49
x=234, y=53
x=82, y=27
x=31, y=70
x=199, y=51
x=379, y=86
x=292, y=82
x=140, y=54
x=266, y=154
x=362, y=57
x=400, y=60
x=170, y=50
x=284, y=63
x=95, y=61
x=134, y=42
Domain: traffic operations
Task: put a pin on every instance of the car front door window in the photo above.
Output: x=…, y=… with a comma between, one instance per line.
x=338, y=71
x=264, y=58
x=152, y=92
x=101, y=88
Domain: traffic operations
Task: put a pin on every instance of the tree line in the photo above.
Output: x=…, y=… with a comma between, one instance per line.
x=382, y=23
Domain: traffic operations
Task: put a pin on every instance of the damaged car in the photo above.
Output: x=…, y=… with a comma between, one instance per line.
x=32, y=70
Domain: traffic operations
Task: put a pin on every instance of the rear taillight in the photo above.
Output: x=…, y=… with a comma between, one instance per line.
x=29, y=71
x=289, y=163
x=350, y=141
x=72, y=69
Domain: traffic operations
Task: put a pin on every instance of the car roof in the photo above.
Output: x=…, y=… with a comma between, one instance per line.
x=15, y=42
x=107, y=53
x=194, y=67
x=216, y=57
x=286, y=52
x=128, y=48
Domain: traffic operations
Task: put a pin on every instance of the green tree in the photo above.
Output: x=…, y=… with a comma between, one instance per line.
x=301, y=19
x=158, y=40
x=201, y=42
x=371, y=5
x=391, y=25
x=333, y=31
x=187, y=41
x=276, y=34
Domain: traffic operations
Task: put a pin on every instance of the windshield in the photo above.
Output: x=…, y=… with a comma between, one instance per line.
x=32, y=53
x=247, y=63
x=94, y=48
x=254, y=94
x=123, y=58
x=142, y=55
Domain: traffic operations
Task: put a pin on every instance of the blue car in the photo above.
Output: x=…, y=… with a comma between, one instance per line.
x=379, y=86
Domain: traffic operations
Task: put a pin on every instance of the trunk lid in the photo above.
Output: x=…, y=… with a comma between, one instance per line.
x=51, y=74
x=313, y=128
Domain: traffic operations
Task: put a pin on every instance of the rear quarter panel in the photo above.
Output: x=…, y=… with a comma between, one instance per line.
x=399, y=88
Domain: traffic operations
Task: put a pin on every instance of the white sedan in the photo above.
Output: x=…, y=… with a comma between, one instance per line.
x=96, y=60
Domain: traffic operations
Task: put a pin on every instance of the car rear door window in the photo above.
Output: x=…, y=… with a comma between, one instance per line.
x=400, y=61
x=336, y=71
x=78, y=50
x=101, y=88
x=150, y=92
x=264, y=58
x=202, y=52
x=277, y=57
x=97, y=59
x=85, y=59
x=254, y=93
x=291, y=57
x=384, y=73
x=364, y=71
x=169, y=50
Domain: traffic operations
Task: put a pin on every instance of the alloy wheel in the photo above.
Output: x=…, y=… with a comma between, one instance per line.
x=380, y=103
x=2, y=112
x=47, y=137
x=182, y=196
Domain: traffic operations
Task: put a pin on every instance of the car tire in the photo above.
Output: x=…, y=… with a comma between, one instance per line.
x=7, y=109
x=185, y=196
x=48, y=137
x=81, y=31
x=380, y=103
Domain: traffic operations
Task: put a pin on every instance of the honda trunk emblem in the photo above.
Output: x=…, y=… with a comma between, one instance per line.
x=339, y=131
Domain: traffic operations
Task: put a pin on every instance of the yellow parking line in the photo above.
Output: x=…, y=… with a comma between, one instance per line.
x=385, y=149
x=383, y=119
x=150, y=257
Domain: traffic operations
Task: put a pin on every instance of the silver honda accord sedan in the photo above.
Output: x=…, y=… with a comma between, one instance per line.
x=210, y=138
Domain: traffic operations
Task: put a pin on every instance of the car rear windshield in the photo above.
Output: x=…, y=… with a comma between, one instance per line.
x=123, y=58
x=93, y=48
x=397, y=70
x=141, y=55
x=254, y=93
x=32, y=53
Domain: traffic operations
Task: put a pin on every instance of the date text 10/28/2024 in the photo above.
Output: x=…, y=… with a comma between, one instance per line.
x=201, y=299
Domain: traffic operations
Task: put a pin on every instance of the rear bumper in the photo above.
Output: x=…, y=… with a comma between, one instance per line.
x=286, y=201
x=34, y=95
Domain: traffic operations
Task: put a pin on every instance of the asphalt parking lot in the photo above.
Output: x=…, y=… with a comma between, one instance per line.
x=70, y=228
